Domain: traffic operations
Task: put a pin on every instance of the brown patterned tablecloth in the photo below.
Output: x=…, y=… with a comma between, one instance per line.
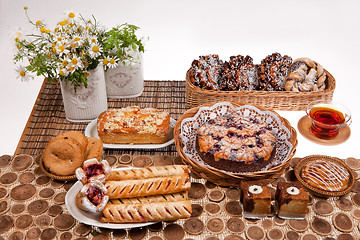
x=32, y=206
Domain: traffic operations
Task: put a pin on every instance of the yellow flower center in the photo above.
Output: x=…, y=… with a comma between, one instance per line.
x=65, y=63
x=86, y=63
x=54, y=50
x=22, y=73
x=86, y=74
x=74, y=61
x=18, y=46
x=48, y=31
x=71, y=15
x=42, y=29
x=56, y=29
x=38, y=22
x=95, y=48
x=61, y=48
x=93, y=40
x=105, y=61
x=54, y=44
x=17, y=39
x=76, y=39
x=62, y=23
x=59, y=39
x=112, y=61
x=72, y=68
x=73, y=45
x=61, y=73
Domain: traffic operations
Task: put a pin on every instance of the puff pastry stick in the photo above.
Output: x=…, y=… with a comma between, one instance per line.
x=172, y=197
x=148, y=172
x=147, y=187
x=146, y=212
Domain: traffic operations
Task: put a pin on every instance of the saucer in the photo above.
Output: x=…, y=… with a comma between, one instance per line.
x=304, y=126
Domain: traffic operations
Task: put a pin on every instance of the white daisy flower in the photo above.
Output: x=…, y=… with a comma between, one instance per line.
x=23, y=74
x=62, y=50
x=71, y=15
x=76, y=41
x=62, y=71
x=113, y=62
x=16, y=35
x=95, y=50
x=92, y=39
x=75, y=63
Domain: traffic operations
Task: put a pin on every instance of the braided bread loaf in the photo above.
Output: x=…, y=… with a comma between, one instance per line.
x=273, y=71
x=305, y=75
x=239, y=74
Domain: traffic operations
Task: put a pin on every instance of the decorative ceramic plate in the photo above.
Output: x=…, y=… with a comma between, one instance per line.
x=91, y=131
x=317, y=191
x=93, y=219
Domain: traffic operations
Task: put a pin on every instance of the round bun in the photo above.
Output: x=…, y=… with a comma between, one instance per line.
x=62, y=156
x=78, y=136
x=94, y=148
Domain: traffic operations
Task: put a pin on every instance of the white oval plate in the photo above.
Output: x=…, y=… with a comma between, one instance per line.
x=93, y=219
x=91, y=131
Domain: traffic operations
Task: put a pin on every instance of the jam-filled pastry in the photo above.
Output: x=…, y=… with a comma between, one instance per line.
x=172, y=197
x=147, y=187
x=239, y=74
x=92, y=197
x=147, y=172
x=93, y=170
x=326, y=175
x=305, y=75
x=146, y=212
x=273, y=71
x=206, y=72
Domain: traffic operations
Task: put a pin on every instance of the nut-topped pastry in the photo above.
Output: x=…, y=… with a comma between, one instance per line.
x=235, y=143
x=239, y=74
x=326, y=175
x=292, y=200
x=206, y=72
x=273, y=71
x=256, y=199
x=133, y=125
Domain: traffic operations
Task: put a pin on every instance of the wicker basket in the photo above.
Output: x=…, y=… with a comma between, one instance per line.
x=317, y=191
x=223, y=178
x=277, y=100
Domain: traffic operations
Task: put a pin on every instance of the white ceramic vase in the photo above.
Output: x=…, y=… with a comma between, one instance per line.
x=85, y=104
x=125, y=81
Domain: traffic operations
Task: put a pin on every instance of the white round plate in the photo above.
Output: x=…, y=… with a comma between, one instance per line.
x=93, y=219
x=91, y=131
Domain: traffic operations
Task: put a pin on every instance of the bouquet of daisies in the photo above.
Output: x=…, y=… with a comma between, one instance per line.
x=64, y=53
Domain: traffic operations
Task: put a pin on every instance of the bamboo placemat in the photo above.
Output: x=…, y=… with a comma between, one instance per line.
x=48, y=119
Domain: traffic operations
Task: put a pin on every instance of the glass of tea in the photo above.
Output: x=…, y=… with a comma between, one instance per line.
x=327, y=118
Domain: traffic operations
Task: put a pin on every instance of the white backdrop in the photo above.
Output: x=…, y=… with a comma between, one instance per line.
x=179, y=31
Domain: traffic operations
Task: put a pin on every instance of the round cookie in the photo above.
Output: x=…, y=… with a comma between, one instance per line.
x=62, y=156
x=94, y=148
x=78, y=136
